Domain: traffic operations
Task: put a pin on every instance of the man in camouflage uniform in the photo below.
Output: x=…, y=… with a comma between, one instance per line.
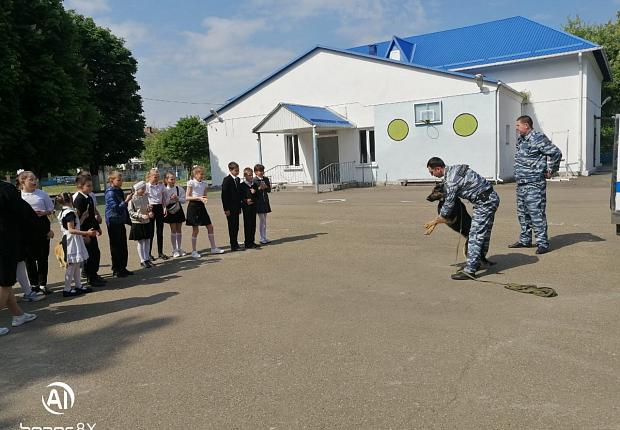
x=536, y=160
x=461, y=181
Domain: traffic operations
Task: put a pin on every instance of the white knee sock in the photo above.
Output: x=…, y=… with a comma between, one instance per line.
x=179, y=241
x=194, y=239
x=146, y=250
x=69, y=272
x=262, y=228
x=212, y=240
x=22, y=277
x=173, y=241
x=139, y=247
x=77, y=275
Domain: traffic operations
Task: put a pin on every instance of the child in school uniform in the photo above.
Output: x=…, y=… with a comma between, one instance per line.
x=141, y=214
x=155, y=193
x=248, y=206
x=174, y=197
x=73, y=245
x=262, y=201
x=116, y=216
x=39, y=247
x=85, y=207
x=231, y=202
x=197, y=215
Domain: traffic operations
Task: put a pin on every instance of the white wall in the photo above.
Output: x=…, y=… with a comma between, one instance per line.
x=350, y=85
x=509, y=109
x=592, y=107
x=553, y=86
x=407, y=159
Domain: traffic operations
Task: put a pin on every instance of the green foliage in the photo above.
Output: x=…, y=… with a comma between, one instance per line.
x=68, y=95
x=608, y=36
x=113, y=91
x=155, y=151
x=188, y=141
x=50, y=123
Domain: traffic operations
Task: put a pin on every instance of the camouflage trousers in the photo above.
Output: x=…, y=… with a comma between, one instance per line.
x=531, y=206
x=480, y=232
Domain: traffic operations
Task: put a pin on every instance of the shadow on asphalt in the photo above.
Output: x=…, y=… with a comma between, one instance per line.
x=41, y=358
x=509, y=261
x=295, y=238
x=562, y=240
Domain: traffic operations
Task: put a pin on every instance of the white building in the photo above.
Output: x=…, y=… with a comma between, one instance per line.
x=382, y=110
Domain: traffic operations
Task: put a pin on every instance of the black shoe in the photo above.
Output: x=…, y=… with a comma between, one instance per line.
x=126, y=272
x=236, y=248
x=462, y=275
x=152, y=258
x=148, y=264
x=100, y=279
x=119, y=274
x=163, y=256
x=42, y=289
x=71, y=293
x=143, y=264
x=519, y=245
x=96, y=283
x=542, y=250
x=84, y=290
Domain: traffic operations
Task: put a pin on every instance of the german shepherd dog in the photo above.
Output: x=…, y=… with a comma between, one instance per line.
x=459, y=219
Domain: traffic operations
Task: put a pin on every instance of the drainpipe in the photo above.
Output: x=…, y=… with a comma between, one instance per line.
x=315, y=156
x=260, y=148
x=580, y=126
x=497, y=137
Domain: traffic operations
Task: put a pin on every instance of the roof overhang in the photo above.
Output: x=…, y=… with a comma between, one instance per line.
x=288, y=118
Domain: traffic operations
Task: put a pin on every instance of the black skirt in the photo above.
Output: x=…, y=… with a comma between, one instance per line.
x=140, y=231
x=197, y=214
x=175, y=218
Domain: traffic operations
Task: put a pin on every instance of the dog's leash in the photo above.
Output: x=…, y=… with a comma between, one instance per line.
x=521, y=288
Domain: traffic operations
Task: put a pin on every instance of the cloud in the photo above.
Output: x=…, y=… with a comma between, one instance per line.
x=359, y=21
x=88, y=7
x=134, y=33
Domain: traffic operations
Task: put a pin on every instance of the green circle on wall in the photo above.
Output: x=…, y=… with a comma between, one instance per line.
x=465, y=124
x=398, y=129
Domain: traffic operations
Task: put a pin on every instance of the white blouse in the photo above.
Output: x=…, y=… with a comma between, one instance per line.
x=39, y=200
x=198, y=187
x=172, y=191
x=155, y=193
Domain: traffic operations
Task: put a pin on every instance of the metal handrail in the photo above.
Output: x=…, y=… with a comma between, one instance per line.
x=286, y=174
x=336, y=176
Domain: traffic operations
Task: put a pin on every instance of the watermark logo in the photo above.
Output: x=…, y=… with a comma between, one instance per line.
x=59, y=399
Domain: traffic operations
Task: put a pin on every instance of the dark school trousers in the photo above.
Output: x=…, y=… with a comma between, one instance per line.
x=157, y=225
x=249, y=224
x=118, y=247
x=38, y=254
x=233, y=227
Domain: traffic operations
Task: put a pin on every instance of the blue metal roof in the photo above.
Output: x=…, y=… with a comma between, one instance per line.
x=487, y=43
x=319, y=116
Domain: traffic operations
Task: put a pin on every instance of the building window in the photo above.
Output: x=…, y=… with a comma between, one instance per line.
x=427, y=113
x=395, y=54
x=292, y=150
x=367, y=146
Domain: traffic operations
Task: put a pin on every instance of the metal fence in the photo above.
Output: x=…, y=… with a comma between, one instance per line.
x=337, y=176
x=285, y=174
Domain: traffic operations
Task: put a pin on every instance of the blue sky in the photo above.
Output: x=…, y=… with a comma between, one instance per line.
x=205, y=52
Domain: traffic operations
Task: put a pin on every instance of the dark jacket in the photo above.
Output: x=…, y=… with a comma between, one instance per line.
x=231, y=195
x=247, y=194
x=85, y=204
x=115, y=206
x=262, y=197
x=18, y=223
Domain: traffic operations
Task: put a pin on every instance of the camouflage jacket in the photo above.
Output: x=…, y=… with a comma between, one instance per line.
x=535, y=155
x=461, y=181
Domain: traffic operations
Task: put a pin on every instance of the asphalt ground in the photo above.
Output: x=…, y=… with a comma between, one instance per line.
x=348, y=319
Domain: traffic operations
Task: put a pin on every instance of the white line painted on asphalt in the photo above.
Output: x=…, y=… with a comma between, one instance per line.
x=332, y=201
x=327, y=222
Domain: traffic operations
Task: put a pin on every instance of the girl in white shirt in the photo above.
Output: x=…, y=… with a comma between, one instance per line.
x=39, y=249
x=197, y=214
x=174, y=197
x=155, y=193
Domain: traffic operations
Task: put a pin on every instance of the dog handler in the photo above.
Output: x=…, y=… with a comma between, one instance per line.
x=536, y=159
x=463, y=182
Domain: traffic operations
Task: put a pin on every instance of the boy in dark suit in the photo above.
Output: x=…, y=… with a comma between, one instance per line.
x=249, y=194
x=231, y=201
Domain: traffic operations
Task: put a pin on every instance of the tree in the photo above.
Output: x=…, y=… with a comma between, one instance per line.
x=155, y=151
x=608, y=36
x=187, y=142
x=51, y=122
x=113, y=90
